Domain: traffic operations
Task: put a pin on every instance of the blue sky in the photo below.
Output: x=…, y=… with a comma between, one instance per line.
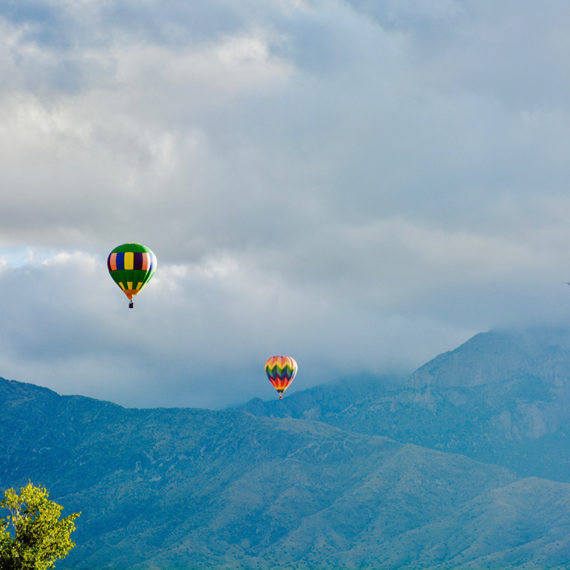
x=359, y=184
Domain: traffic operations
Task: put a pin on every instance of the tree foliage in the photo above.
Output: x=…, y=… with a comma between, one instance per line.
x=33, y=536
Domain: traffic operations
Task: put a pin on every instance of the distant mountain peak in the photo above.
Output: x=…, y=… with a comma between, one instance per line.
x=498, y=354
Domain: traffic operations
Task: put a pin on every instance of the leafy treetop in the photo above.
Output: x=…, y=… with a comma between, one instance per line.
x=32, y=536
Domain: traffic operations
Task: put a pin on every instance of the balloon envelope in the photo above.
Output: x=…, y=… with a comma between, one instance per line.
x=131, y=267
x=281, y=371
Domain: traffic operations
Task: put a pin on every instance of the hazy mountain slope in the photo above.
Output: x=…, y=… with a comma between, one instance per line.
x=502, y=397
x=491, y=531
x=196, y=488
x=487, y=358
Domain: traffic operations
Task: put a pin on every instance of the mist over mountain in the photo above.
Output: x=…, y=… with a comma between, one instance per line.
x=540, y=354
x=449, y=470
x=503, y=397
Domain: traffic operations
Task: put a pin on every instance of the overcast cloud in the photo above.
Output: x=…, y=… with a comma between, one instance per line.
x=359, y=184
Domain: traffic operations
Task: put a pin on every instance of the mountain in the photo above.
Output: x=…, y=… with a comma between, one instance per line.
x=503, y=397
x=489, y=358
x=187, y=488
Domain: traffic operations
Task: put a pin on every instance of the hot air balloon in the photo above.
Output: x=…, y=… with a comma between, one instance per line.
x=131, y=266
x=281, y=370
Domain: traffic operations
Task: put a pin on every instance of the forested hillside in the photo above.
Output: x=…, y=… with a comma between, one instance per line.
x=185, y=488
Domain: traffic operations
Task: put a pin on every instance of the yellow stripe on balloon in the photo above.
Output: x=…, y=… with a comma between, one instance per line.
x=129, y=285
x=129, y=261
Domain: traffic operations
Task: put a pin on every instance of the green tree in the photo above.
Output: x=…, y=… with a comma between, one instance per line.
x=32, y=536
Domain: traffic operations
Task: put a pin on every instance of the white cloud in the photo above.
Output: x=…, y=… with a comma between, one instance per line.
x=331, y=179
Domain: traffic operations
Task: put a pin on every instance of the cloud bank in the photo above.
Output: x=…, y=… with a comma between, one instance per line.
x=358, y=184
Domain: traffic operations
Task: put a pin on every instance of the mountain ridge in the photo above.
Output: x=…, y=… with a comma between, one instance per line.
x=244, y=488
x=517, y=417
x=521, y=351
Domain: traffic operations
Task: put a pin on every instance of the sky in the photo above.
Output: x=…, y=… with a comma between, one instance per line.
x=360, y=184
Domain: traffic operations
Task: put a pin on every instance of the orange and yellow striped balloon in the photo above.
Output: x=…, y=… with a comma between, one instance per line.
x=281, y=371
